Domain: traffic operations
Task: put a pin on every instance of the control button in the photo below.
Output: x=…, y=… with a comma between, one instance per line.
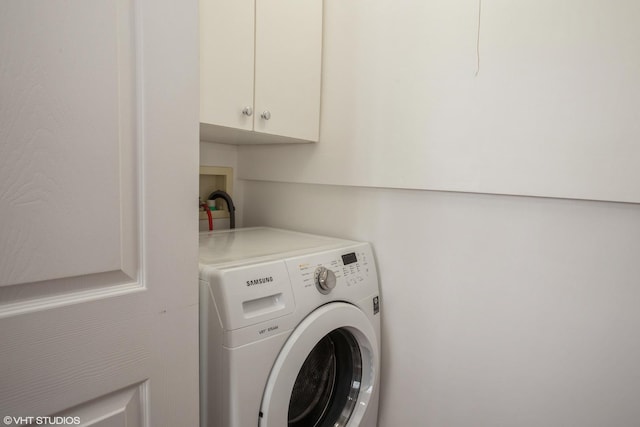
x=325, y=280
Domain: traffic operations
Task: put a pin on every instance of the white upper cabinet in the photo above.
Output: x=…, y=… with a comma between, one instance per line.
x=260, y=70
x=226, y=62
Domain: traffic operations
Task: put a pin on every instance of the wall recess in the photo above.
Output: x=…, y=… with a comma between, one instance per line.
x=214, y=178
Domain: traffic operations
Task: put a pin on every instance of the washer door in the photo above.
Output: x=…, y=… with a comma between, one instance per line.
x=325, y=374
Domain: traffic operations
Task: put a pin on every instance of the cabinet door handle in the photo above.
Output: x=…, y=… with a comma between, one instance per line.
x=266, y=115
x=247, y=111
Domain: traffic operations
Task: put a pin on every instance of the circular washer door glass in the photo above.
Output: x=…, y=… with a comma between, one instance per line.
x=327, y=386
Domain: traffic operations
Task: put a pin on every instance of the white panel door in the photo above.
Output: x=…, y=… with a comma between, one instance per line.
x=98, y=241
x=288, y=67
x=226, y=62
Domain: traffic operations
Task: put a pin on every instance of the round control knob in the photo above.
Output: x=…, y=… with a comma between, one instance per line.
x=265, y=115
x=247, y=111
x=325, y=280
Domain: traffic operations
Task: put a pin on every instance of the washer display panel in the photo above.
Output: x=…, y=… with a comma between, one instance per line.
x=325, y=372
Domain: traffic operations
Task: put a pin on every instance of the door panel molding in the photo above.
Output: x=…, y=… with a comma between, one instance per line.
x=126, y=408
x=30, y=297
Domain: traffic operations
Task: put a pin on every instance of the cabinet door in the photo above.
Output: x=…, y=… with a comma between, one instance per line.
x=226, y=62
x=288, y=67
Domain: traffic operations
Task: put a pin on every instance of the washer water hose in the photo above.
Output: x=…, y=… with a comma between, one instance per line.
x=219, y=194
x=208, y=211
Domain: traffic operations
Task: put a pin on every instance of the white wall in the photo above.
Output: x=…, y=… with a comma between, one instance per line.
x=212, y=154
x=496, y=310
x=553, y=111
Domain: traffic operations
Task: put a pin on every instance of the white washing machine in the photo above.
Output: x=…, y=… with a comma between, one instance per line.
x=289, y=330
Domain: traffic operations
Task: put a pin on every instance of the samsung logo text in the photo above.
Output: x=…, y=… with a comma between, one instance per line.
x=259, y=281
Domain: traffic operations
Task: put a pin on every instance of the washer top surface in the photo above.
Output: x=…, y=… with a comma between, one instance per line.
x=257, y=243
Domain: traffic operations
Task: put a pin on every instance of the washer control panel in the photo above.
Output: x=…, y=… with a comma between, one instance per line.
x=334, y=270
